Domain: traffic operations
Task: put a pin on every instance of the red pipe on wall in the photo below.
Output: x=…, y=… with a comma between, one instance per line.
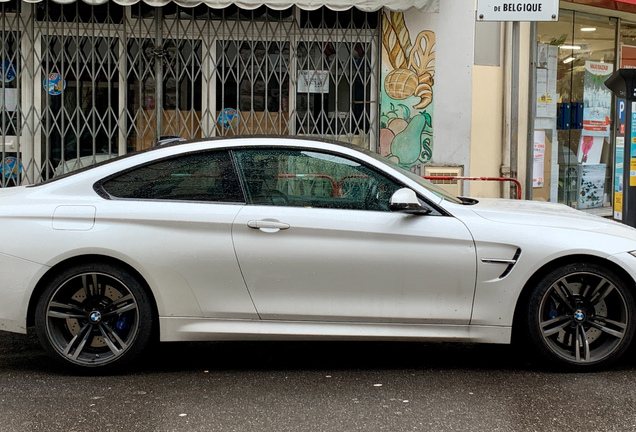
x=500, y=179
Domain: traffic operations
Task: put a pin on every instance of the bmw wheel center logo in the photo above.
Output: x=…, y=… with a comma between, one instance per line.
x=95, y=317
x=579, y=315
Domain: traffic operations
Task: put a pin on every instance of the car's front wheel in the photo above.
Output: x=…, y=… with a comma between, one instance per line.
x=94, y=317
x=581, y=316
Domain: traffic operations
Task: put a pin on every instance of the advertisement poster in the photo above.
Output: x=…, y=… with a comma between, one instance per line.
x=597, y=99
x=54, y=84
x=590, y=149
x=7, y=72
x=592, y=188
x=632, y=149
x=539, y=159
x=618, y=178
x=228, y=118
x=628, y=57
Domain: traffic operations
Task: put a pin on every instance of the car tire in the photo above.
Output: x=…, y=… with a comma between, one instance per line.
x=94, y=318
x=581, y=317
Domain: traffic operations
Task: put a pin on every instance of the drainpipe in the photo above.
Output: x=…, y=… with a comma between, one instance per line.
x=532, y=92
x=514, y=104
x=510, y=150
x=505, y=149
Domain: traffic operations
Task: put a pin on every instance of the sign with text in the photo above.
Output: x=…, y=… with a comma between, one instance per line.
x=502, y=10
x=313, y=81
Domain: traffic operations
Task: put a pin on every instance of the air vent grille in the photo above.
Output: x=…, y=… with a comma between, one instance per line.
x=452, y=186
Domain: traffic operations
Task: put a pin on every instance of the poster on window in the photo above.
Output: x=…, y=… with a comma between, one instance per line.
x=590, y=149
x=539, y=159
x=628, y=57
x=54, y=84
x=7, y=72
x=592, y=190
x=547, y=81
x=597, y=99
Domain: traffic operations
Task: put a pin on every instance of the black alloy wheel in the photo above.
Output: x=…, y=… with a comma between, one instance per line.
x=581, y=316
x=94, y=317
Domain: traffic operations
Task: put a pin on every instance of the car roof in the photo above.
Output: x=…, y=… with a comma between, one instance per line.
x=231, y=142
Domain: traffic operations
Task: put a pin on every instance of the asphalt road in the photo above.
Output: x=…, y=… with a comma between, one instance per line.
x=321, y=386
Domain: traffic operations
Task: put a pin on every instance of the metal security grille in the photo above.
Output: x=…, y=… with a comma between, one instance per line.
x=79, y=105
x=80, y=84
x=11, y=92
x=338, y=59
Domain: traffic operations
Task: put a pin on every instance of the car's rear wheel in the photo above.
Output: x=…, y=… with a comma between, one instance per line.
x=94, y=317
x=581, y=316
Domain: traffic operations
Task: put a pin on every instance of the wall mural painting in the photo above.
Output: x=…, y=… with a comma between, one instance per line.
x=408, y=69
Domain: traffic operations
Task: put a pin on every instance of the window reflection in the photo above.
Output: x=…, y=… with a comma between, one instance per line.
x=573, y=126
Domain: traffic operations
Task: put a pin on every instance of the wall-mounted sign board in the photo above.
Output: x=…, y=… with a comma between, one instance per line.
x=506, y=10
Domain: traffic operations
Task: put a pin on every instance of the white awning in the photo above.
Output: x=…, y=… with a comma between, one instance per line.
x=365, y=5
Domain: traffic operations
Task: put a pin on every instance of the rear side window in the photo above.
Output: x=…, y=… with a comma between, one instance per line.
x=205, y=176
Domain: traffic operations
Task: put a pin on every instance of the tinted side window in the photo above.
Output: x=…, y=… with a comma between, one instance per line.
x=193, y=177
x=303, y=178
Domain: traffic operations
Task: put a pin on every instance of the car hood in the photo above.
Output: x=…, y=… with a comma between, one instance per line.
x=545, y=214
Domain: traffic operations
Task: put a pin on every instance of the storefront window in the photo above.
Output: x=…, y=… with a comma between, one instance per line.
x=178, y=64
x=573, y=133
x=252, y=94
x=80, y=83
x=79, y=101
x=332, y=98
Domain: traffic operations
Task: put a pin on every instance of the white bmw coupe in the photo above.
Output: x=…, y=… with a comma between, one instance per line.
x=277, y=238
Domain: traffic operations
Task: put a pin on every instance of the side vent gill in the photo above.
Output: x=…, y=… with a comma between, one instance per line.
x=511, y=265
x=511, y=262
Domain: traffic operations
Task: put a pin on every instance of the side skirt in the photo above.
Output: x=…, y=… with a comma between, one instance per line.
x=176, y=329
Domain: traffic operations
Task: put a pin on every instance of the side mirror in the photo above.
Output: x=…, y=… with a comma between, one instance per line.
x=405, y=201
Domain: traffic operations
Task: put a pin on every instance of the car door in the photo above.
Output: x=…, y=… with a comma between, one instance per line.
x=318, y=242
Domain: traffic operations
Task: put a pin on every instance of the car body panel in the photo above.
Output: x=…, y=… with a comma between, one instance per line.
x=18, y=279
x=542, y=233
x=366, y=266
x=162, y=241
x=189, y=248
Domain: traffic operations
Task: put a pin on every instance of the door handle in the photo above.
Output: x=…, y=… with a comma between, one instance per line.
x=268, y=225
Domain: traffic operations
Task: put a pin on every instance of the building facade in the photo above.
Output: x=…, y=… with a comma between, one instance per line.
x=565, y=139
x=82, y=82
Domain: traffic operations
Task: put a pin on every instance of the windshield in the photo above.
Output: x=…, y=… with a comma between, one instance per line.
x=438, y=191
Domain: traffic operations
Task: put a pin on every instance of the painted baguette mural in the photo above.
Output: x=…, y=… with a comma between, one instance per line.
x=408, y=71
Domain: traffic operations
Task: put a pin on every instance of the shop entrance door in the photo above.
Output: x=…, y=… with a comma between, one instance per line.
x=574, y=110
